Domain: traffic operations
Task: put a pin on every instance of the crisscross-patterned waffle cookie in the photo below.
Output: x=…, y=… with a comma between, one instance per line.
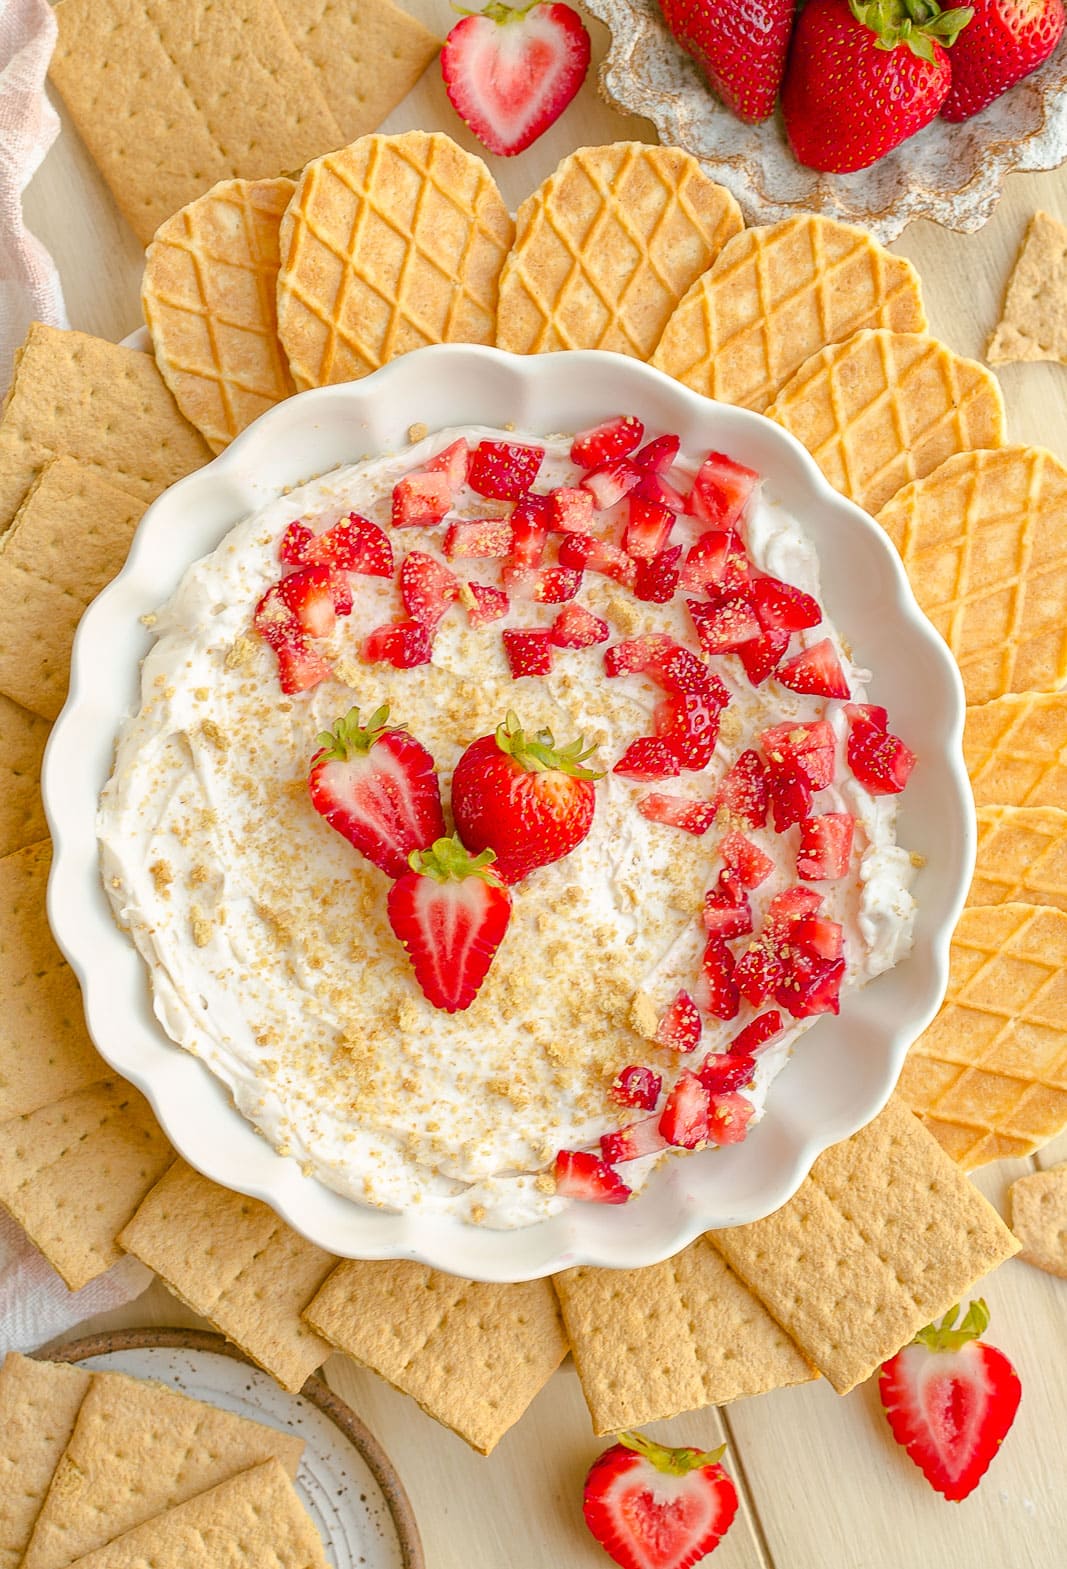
x=1022, y=856
x=1016, y=750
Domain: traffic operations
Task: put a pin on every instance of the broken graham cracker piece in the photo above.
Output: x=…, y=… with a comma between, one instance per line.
x=983, y=541
x=39, y=1403
x=989, y=1075
x=884, y=408
x=1016, y=750
x=22, y=742
x=73, y=1173
x=209, y=296
x=233, y=1260
x=1039, y=1218
x=652, y=1343
x=473, y=1356
x=137, y=1449
x=777, y=294
x=45, y=1050
x=171, y=98
x=367, y=57
x=607, y=246
x=883, y=1236
x=389, y=244
x=252, y=1521
x=1022, y=856
x=1033, y=324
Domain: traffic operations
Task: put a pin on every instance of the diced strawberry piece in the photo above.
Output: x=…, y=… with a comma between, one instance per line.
x=867, y=713
x=718, y=967
x=724, y=917
x=404, y=644
x=743, y=791
x=717, y=560
x=760, y=656
x=570, y=510
x=647, y=760
x=485, y=538
x=427, y=588
x=819, y=936
x=637, y=1086
x=315, y=596
x=583, y=551
x=783, y=608
x=300, y=666
x=791, y=904
x=608, y=484
x=577, y=627
x=816, y=670
x=659, y=454
x=746, y=859
x=811, y=746
x=756, y=1035
x=529, y=652
x=504, y=470
x=656, y=580
x=648, y=529
x=640, y=1138
x=759, y=971
x=452, y=461
x=615, y=438
x=485, y=604
x=811, y=986
x=420, y=500
x=721, y=491
x=880, y=761
x=678, y=811
x=689, y=723
x=680, y=1026
x=637, y=655
x=555, y=585
x=297, y=540
x=684, y=1121
x=653, y=487
x=529, y=531
x=723, y=624
x=519, y=582
x=728, y=1118
x=580, y=1175
x=353, y=545
x=825, y=846
x=726, y=1070
x=789, y=791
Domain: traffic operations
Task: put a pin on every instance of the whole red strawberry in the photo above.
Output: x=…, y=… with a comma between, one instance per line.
x=863, y=76
x=527, y=799
x=950, y=1399
x=651, y=1507
x=450, y=911
x=1005, y=41
x=741, y=45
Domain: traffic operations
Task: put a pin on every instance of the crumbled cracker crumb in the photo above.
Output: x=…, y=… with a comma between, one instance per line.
x=917, y=860
x=417, y=432
x=203, y=929
x=162, y=875
x=643, y=1016
x=545, y=1182
x=478, y=1213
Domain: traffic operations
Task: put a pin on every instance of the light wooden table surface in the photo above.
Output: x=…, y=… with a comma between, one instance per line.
x=823, y=1486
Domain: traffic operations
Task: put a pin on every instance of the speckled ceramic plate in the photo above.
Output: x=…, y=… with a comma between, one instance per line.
x=952, y=174
x=346, y=1481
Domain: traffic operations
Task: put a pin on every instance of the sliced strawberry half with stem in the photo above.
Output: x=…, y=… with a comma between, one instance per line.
x=427, y=588
x=503, y=470
x=655, y=1508
x=680, y=1026
x=637, y=1086
x=678, y=811
x=353, y=545
x=614, y=438
x=450, y=911
x=580, y=1175
x=815, y=670
x=721, y=491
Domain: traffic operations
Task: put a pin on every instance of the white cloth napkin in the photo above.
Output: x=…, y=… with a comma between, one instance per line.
x=35, y=1305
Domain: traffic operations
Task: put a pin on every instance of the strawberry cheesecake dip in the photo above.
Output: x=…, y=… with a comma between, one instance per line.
x=501, y=812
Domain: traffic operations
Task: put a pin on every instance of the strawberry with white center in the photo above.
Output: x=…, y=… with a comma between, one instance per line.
x=651, y=1507
x=402, y=644
x=950, y=1400
x=526, y=798
x=450, y=911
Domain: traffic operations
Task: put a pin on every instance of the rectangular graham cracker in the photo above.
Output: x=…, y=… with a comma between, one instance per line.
x=169, y=97
x=45, y=1050
x=137, y=1449
x=253, y=1521
x=22, y=742
x=103, y=405
x=652, y=1343
x=473, y=1356
x=39, y=1403
x=367, y=55
x=234, y=1261
x=73, y=1173
x=883, y=1237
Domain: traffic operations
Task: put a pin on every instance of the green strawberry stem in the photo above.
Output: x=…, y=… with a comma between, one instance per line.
x=540, y=753
x=672, y=1462
x=916, y=23
x=447, y=860
x=497, y=12
x=946, y=1335
x=348, y=736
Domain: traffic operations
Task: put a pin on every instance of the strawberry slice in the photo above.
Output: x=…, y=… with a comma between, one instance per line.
x=754, y=1036
x=484, y=538
x=403, y=644
x=598, y=555
x=555, y=585
x=576, y=627
x=743, y=791
x=503, y=470
x=511, y=72
x=450, y=911
x=717, y=560
x=689, y=723
x=680, y=1026
x=580, y=1175
x=728, y=1117
x=570, y=510
x=810, y=746
x=376, y=785
x=760, y=655
x=825, y=846
x=678, y=811
x=789, y=791
x=656, y=1508
x=723, y=1071
x=355, y=545
x=724, y=624
x=746, y=859
x=420, y=500
x=630, y=1143
x=485, y=603
x=529, y=652
x=427, y=588
x=659, y=454
x=724, y=916
x=721, y=491
x=656, y=580
x=648, y=528
x=783, y=608
x=721, y=998
x=615, y=438
x=608, y=484
x=950, y=1399
x=453, y=461
x=637, y=1086
x=648, y=760
x=880, y=761
x=816, y=670
x=684, y=1119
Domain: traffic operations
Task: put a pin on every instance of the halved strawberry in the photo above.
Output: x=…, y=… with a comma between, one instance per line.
x=761, y=655
x=504, y=470
x=724, y=916
x=353, y=545
x=529, y=651
x=721, y=998
x=609, y=483
x=825, y=846
x=647, y=760
x=684, y=1119
x=484, y=538
x=403, y=644
x=689, y=723
x=717, y=560
x=580, y=1175
x=659, y=454
x=724, y=624
x=450, y=911
x=615, y=438
x=880, y=761
x=811, y=745
x=656, y=580
x=570, y=510
x=728, y=1117
x=789, y=791
x=576, y=627
x=452, y=461
x=678, y=811
x=648, y=528
x=376, y=785
x=754, y=1036
x=420, y=500
x=680, y=1026
x=723, y=1071
x=656, y=1508
x=598, y=555
x=636, y=1086
x=427, y=588
x=816, y=670
x=746, y=859
x=556, y=585
x=485, y=603
x=721, y=491
x=783, y=608
x=743, y=791
x=630, y=1143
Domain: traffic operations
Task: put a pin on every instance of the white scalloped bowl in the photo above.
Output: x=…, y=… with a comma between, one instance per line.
x=847, y=1066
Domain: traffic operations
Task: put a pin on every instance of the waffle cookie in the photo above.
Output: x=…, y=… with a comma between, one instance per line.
x=1016, y=750
x=607, y=246
x=389, y=244
x=1022, y=856
x=209, y=297
x=885, y=408
x=776, y=295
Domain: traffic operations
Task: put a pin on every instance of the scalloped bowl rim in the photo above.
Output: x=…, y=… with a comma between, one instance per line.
x=848, y=1065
